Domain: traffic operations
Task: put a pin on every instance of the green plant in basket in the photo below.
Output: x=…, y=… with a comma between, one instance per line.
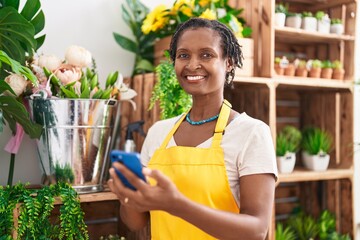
x=288, y=141
x=172, y=98
x=316, y=141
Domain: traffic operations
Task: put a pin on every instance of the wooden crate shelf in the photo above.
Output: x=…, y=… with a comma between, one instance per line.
x=93, y=197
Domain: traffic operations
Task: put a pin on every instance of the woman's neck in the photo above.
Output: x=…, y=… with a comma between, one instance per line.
x=205, y=108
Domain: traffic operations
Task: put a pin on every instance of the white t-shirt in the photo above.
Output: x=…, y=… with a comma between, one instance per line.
x=247, y=144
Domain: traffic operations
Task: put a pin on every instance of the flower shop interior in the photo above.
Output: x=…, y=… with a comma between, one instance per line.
x=300, y=76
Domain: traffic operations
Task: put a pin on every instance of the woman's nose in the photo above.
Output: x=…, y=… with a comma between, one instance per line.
x=193, y=64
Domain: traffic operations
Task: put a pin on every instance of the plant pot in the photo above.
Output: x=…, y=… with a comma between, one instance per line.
x=326, y=73
x=338, y=74
x=315, y=72
x=290, y=70
x=323, y=26
x=309, y=24
x=280, y=19
x=286, y=163
x=316, y=162
x=301, y=72
x=337, y=28
x=279, y=70
x=76, y=140
x=293, y=21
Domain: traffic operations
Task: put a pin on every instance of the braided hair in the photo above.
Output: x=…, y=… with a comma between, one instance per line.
x=229, y=44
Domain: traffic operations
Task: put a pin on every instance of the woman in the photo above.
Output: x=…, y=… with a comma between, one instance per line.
x=212, y=171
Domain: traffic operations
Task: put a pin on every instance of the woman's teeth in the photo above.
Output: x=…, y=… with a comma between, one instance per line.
x=194, y=78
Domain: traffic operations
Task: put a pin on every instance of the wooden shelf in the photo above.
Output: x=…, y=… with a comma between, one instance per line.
x=301, y=36
x=301, y=175
x=299, y=82
x=94, y=197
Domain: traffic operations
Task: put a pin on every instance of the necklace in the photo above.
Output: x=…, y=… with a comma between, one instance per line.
x=201, y=121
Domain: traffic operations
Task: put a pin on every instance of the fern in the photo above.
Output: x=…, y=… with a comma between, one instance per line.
x=316, y=141
x=282, y=233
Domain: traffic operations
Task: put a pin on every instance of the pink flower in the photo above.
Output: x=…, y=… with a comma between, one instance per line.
x=17, y=82
x=51, y=62
x=78, y=56
x=68, y=74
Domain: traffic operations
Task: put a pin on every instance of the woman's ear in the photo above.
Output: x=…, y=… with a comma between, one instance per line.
x=229, y=65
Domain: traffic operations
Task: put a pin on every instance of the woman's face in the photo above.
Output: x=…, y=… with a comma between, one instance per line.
x=199, y=63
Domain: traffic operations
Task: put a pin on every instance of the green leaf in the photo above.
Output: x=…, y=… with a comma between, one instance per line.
x=126, y=43
x=40, y=41
x=38, y=22
x=14, y=111
x=30, y=9
x=68, y=93
x=106, y=93
x=98, y=94
x=16, y=34
x=5, y=87
x=144, y=64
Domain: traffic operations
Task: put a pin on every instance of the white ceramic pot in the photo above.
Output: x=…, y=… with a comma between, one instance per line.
x=286, y=163
x=280, y=19
x=337, y=28
x=309, y=24
x=293, y=21
x=316, y=162
x=323, y=26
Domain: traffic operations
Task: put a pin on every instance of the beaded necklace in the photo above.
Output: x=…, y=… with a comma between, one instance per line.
x=201, y=121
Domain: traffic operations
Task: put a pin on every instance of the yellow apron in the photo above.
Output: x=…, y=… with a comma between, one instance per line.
x=200, y=174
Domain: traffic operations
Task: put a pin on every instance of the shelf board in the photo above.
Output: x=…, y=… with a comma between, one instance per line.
x=302, y=36
x=94, y=197
x=301, y=175
x=299, y=82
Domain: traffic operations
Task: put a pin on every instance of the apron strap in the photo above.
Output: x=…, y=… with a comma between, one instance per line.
x=221, y=123
x=171, y=133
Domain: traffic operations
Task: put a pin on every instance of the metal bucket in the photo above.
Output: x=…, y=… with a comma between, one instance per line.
x=75, y=143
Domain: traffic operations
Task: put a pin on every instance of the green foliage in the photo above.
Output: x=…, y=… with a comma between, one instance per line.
x=282, y=233
x=35, y=209
x=307, y=14
x=281, y=8
x=64, y=174
x=112, y=237
x=326, y=64
x=288, y=140
x=301, y=64
x=304, y=226
x=316, y=141
x=336, y=64
x=336, y=21
x=172, y=98
x=143, y=45
x=319, y=15
x=316, y=63
x=19, y=29
x=326, y=223
x=12, y=108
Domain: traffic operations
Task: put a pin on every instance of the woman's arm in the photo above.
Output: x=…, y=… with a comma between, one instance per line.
x=256, y=200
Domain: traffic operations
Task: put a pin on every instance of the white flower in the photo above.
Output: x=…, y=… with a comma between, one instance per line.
x=51, y=62
x=68, y=74
x=17, y=82
x=127, y=95
x=78, y=56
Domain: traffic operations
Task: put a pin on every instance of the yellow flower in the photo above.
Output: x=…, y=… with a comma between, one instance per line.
x=184, y=6
x=208, y=14
x=204, y=3
x=236, y=26
x=155, y=20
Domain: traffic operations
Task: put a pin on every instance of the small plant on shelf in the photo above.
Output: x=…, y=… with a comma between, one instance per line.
x=309, y=22
x=315, y=70
x=281, y=10
x=301, y=68
x=323, y=22
x=338, y=70
x=336, y=26
x=326, y=69
x=316, y=144
x=293, y=20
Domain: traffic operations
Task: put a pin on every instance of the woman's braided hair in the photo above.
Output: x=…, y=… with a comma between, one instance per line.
x=229, y=44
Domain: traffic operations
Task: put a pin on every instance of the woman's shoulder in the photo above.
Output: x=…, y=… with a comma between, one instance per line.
x=164, y=126
x=246, y=122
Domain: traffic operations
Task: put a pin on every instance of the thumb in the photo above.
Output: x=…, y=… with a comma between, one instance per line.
x=161, y=180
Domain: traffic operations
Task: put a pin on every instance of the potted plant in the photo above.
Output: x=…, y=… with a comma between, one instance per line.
x=338, y=70
x=293, y=20
x=336, y=26
x=315, y=70
x=301, y=68
x=326, y=69
x=33, y=207
x=309, y=22
x=287, y=144
x=290, y=70
x=323, y=22
x=280, y=14
x=316, y=144
x=280, y=64
x=173, y=100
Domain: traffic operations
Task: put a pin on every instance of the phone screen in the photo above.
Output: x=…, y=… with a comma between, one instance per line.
x=131, y=160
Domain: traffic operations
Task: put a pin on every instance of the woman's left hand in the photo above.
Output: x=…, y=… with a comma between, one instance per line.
x=161, y=196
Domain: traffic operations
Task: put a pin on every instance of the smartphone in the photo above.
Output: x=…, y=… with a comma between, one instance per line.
x=131, y=160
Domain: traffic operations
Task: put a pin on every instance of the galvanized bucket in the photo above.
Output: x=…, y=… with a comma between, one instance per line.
x=76, y=140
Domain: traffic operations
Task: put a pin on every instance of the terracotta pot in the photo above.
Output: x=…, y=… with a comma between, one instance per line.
x=338, y=74
x=279, y=70
x=290, y=70
x=326, y=73
x=301, y=72
x=315, y=72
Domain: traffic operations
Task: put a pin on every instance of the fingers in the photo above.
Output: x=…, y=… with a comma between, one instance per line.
x=162, y=180
x=132, y=178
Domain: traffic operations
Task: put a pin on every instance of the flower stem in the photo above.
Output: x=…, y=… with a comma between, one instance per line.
x=11, y=169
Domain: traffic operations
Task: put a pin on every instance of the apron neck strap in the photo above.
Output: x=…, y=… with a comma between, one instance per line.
x=221, y=123
x=219, y=128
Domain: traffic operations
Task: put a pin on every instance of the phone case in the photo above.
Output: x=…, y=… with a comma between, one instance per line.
x=132, y=161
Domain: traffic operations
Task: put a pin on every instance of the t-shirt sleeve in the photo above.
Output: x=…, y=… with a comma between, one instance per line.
x=258, y=155
x=145, y=149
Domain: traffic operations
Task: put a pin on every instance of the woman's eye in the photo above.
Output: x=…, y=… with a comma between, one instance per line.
x=206, y=55
x=182, y=55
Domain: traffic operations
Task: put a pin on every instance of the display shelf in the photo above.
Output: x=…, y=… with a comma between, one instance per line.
x=93, y=197
x=301, y=36
x=302, y=174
